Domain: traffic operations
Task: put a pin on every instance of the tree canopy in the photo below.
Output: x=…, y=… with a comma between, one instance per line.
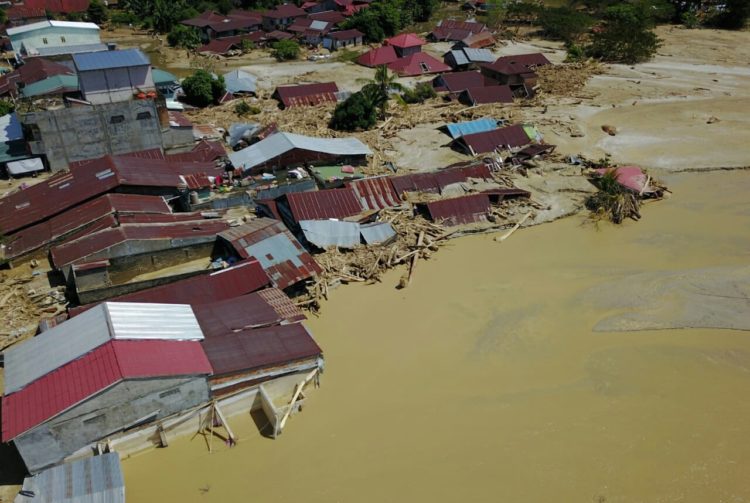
x=564, y=23
x=97, y=12
x=183, y=36
x=626, y=35
x=285, y=50
x=202, y=89
x=356, y=112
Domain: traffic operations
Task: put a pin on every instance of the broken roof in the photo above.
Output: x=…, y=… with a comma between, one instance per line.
x=240, y=81
x=480, y=143
x=328, y=233
x=489, y=94
x=40, y=355
x=518, y=63
x=278, y=144
x=285, y=261
x=306, y=94
x=459, y=129
x=93, y=373
x=261, y=347
x=436, y=181
x=459, y=210
x=375, y=193
x=477, y=40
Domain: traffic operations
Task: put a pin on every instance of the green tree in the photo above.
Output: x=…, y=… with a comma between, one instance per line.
x=625, y=37
x=382, y=19
x=734, y=16
x=564, y=23
x=6, y=107
x=285, y=50
x=183, y=36
x=379, y=88
x=246, y=46
x=97, y=12
x=201, y=88
x=421, y=92
x=356, y=112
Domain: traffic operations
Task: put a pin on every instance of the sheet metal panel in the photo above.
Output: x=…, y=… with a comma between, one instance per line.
x=40, y=355
x=460, y=210
x=327, y=233
x=96, y=479
x=481, y=143
x=97, y=370
x=458, y=129
x=324, y=204
x=375, y=193
x=285, y=308
x=376, y=233
x=110, y=59
x=135, y=320
x=436, y=181
x=304, y=93
x=258, y=348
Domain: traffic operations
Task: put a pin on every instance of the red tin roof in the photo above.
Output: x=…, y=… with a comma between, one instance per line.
x=33, y=70
x=459, y=210
x=419, y=63
x=436, y=181
x=22, y=12
x=451, y=29
x=257, y=348
x=79, y=249
x=375, y=193
x=405, y=40
x=480, y=143
x=323, y=204
x=376, y=57
x=285, y=261
x=479, y=40
x=489, y=94
x=346, y=35
x=306, y=94
x=82, y=216
x=244, y=277
x=93, y=373
x=329, y=16
x=203, y=151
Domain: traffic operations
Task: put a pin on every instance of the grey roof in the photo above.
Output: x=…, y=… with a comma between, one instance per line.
x=69, y=49
x=459, y=57
x=51, y=23
x=304, y=185
x=110, y=59
x=238, y=81
x=281, y=143
x=96, y=479
x=318, y=25
x=325, y=233
x=240, y=130
x=275, y=250
x=36, y=357
x=377, y=232
x=479, y=55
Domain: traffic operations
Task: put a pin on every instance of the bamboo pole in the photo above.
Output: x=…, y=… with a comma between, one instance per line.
x=505, y=236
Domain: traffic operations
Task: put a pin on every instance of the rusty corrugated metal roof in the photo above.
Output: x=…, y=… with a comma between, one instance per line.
x=436, y=181
x=306, y=94
x=323, y=204
x=459, y=210
x=375, y=193
x=481, y=143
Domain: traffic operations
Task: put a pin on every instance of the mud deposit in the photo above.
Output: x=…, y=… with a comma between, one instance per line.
x=485, y=379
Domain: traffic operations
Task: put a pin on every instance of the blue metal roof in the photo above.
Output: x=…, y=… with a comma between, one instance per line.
x=460, y=129
x=10, y=128
x=377, y=232
x=110, y=59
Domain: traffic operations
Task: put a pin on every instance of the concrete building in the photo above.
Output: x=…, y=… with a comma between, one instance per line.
x=47, y=38
x=110, y=369
x=89, y=132
x=113, y=76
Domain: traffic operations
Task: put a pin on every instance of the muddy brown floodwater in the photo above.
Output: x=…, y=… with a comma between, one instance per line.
x=484, y=380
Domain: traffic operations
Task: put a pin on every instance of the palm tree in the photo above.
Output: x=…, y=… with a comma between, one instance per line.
x=378, y=89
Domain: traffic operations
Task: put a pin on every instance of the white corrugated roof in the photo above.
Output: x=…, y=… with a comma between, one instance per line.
x=280, y=143
x=47, y=24
x=36, y=357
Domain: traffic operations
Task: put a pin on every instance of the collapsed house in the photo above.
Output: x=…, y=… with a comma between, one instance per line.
x=510, y=137
x=306, y=94
x=287, y=149
x=516, y=71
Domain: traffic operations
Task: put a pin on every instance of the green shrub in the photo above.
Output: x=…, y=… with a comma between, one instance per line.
x=124, y=18
x=202, y=89
x=421, y=92
x=564, y=23
x=6, y=107
x=242, y=109
x=626, y=36
x=357, y=112
x=183, y=36
x=97, y=12
x=285, y=50
x=246, y=46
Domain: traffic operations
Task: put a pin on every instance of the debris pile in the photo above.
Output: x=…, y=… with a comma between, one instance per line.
x=566, y=79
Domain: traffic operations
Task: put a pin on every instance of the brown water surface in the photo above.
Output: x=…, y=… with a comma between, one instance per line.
x=483, y=381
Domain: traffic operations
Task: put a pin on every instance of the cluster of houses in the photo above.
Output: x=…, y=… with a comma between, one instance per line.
x=313, y=23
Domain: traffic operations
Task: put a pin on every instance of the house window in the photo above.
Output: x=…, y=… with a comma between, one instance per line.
x=117, y=119
x=171, y=392
x=424, y=67
x=44, y=40
x=94, y=420
x=62, y=39
x=143, y=116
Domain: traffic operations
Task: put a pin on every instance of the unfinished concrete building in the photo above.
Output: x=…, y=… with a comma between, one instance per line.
x=87, y=132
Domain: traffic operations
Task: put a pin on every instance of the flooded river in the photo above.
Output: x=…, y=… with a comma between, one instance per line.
x=484, y=381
